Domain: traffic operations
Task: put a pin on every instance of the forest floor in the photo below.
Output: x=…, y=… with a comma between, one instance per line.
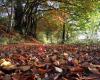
x=28, y=61
x=32, y=60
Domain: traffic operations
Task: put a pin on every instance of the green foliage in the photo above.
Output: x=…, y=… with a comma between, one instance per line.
x=79, y=17
x=16, y=39
x=83, y=42
x=13, y=40
x=4, y=41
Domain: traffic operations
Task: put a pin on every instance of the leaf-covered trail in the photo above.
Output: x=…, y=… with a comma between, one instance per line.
x=29, y=61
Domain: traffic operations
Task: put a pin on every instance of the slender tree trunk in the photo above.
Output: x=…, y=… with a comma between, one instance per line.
x=63, y=34
x=11, y=17
x=33, y=28
x=51, y=40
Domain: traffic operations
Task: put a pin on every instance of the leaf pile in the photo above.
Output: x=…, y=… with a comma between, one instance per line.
x=49, y=62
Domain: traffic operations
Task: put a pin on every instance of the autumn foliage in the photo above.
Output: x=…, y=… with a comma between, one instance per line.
x=53, y=62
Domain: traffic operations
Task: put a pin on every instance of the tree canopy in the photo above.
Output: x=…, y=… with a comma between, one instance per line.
x=29, y=17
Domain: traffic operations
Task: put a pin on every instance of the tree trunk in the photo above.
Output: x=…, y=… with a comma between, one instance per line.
x=18, y=15
x=33, y=28
x=30, y=22
x=26, y=19
x=51, y=40
x=11, y=18
x=63, y=34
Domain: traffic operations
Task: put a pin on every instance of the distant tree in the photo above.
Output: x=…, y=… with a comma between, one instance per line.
x=7, y=5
